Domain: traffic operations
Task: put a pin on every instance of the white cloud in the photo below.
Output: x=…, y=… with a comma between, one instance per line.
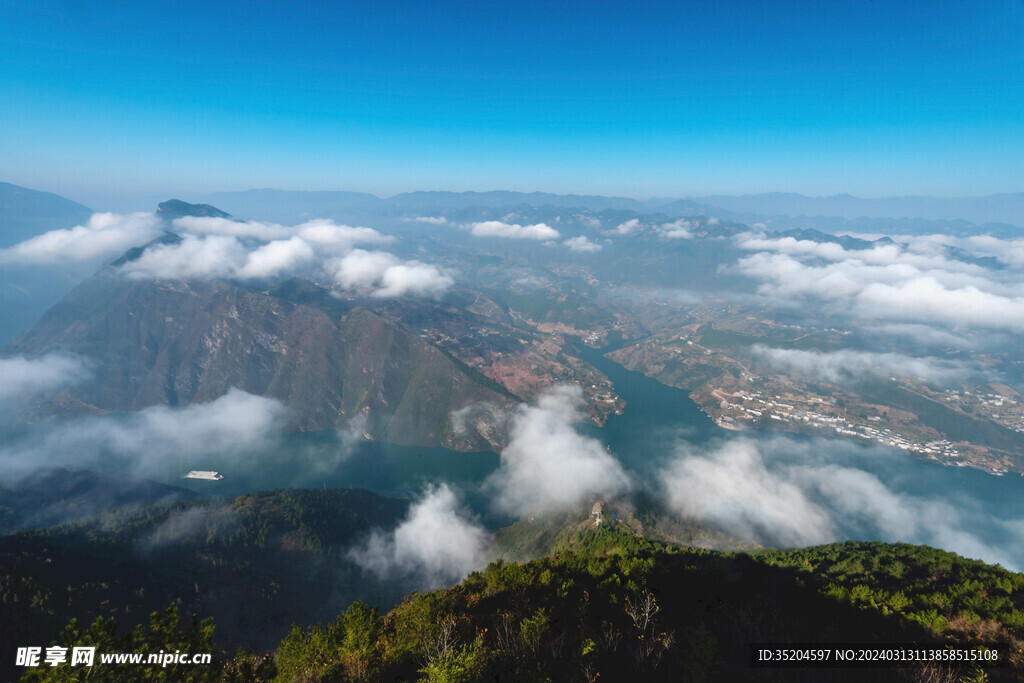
x=232, y=423
x=924, y=336
x=210, y=225
x=926, y=254
x=105, y=235
x=327, y=233
x=791, y=245
x=322, y=232
x=678, y=229
x=276, y=257
x=791, y=493
x=220, y=247
x=539, y=231
x=844, y=366
x=732, y=488
x=23, y=377
x=205, y=237
x=581, y=243
x=437, y=543
x=387, y=275
x=156, y=439
x=1008, y=252
x=629, y=226
x=432, y=220
x=547, y=464
x=413, y=279
x=361, y=268
x=917, y=282
x=216, y=255
x=212, y=256
x=923, y=298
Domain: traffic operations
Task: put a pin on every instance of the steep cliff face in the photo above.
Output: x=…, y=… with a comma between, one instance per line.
x=175, y=343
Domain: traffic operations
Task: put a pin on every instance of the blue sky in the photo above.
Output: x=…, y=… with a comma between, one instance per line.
x=641, y=99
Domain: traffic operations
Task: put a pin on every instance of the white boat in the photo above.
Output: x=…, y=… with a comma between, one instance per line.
x=204, y=474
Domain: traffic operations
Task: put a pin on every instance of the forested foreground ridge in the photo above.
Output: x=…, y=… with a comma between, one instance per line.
x=619, y=607
x=254, y=563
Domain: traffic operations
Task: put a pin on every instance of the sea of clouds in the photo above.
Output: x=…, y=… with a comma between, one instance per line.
x=931, y=280
x=775, y=491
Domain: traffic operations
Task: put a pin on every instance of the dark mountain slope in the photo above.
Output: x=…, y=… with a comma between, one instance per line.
x=52, y=496
x=175, y=343
x=618, y=607
x=175, y=208
x=256, y=563
x=606, y=602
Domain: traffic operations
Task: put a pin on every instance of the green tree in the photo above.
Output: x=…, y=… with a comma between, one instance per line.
x=460, y=665
x=165, y=633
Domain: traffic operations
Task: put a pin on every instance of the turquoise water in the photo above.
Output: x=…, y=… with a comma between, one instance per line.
x=978, y=514
x=657, y=420
x=315, y=459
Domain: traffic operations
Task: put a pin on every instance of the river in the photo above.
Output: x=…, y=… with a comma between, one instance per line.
x=957, y=508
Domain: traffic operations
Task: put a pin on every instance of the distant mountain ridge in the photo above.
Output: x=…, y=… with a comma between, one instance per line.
x=498, y=198
x=26, y=290
x=295, y=206
x=280, y=205
x=26, y=213
x=995, y=208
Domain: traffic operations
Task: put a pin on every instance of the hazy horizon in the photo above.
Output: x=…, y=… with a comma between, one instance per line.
x=113, y=200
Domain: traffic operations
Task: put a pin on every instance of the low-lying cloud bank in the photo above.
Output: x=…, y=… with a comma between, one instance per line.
x=22, y=377
x=386, y=275
x=1007, y=251
x=192, y=523
x=776, y=490
x=437, y=543
x=582, y=244
x=320, y=231
x=679, y=229
x=627, y=227
x=104, y=235
x=795, y=493
x=514, y=231
x=731, y=488
x=844, y=366
x=923, y=280
x=547, y=464
x=154, y=441
x=224, y=248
